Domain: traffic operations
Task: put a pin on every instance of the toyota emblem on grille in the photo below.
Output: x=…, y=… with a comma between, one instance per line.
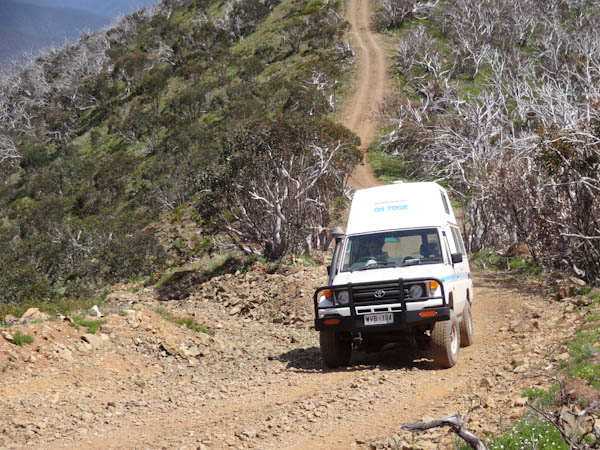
x=379, y=294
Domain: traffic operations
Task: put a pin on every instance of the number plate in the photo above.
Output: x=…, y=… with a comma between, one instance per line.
x=379, y=319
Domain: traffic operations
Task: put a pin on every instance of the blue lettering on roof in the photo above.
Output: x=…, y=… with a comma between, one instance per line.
x=397, y=208
x=389, y=208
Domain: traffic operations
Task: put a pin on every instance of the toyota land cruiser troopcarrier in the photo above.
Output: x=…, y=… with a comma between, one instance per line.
x=399, y=274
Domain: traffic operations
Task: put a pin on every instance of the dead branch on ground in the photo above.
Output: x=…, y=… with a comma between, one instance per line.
x=457, y=425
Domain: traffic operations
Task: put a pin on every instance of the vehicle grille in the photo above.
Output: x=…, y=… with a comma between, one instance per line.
x=366, y=294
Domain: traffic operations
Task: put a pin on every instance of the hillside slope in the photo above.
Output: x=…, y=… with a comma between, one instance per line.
x=157, y=115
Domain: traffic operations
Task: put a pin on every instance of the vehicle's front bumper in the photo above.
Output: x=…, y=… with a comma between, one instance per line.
x=407, y=312
x=402, y=320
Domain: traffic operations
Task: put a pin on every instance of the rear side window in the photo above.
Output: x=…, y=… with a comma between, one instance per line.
x=460, y=245
x=445, y=202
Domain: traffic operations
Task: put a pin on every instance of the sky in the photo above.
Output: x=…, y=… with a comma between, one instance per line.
x=29, y=26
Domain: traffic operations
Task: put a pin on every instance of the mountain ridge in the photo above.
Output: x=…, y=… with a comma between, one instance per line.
x=107, y=8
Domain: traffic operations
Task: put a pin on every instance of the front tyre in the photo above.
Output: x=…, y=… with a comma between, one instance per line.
x=445, y=345
x=466, y=327
x=336, y=348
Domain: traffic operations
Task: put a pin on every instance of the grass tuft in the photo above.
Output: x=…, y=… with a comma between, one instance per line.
x=21, y=339
x=529, y=434
x=544, y=399
x=515, y=264
x=584, y=350
x=91, y=325
x=186, y=321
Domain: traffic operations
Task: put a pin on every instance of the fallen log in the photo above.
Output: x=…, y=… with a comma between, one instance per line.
x=457, y=425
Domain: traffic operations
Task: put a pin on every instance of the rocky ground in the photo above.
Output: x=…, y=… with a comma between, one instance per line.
x=257, y=381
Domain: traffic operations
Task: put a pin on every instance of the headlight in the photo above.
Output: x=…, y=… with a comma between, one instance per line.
x=342, y=297
x=415, y=291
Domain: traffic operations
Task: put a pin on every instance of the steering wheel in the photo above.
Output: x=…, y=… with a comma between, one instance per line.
x=366, y=261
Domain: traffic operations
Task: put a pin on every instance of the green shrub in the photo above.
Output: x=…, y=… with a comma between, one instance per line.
x=20, y=339
x=387, y=167
x=311, y=7
x=585, y=290
x=91, y=325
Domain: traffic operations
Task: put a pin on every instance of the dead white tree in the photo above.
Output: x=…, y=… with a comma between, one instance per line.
x=524, y=153
x=281, y=177
x=393, y=13
x=415, y=43
x=8, y=150
x=282, y=208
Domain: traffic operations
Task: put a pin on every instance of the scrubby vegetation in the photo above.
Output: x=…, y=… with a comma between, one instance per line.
x=192, y=104
x=500, y=101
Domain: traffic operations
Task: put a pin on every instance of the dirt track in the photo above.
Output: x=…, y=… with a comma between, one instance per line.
x=259, y=382
x=370, y=85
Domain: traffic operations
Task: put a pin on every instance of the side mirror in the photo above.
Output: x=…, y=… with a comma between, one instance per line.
x=457, y=258
x=337, y=233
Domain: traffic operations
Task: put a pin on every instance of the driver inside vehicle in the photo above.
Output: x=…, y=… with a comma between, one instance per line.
x=371, y=250
x=430, y=250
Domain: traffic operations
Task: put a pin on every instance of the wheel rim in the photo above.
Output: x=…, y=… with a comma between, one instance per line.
x=454, y=339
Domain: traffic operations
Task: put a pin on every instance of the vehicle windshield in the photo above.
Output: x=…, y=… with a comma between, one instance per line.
x=392, y=249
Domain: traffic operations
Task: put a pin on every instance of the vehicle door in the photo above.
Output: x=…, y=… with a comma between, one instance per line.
x=461, y=269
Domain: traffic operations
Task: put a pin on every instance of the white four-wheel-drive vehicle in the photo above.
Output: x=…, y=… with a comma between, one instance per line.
x=399, y=274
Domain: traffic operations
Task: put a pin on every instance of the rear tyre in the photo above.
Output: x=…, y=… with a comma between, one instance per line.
x=445, y=345
x=336, y=348
x=466, y=327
